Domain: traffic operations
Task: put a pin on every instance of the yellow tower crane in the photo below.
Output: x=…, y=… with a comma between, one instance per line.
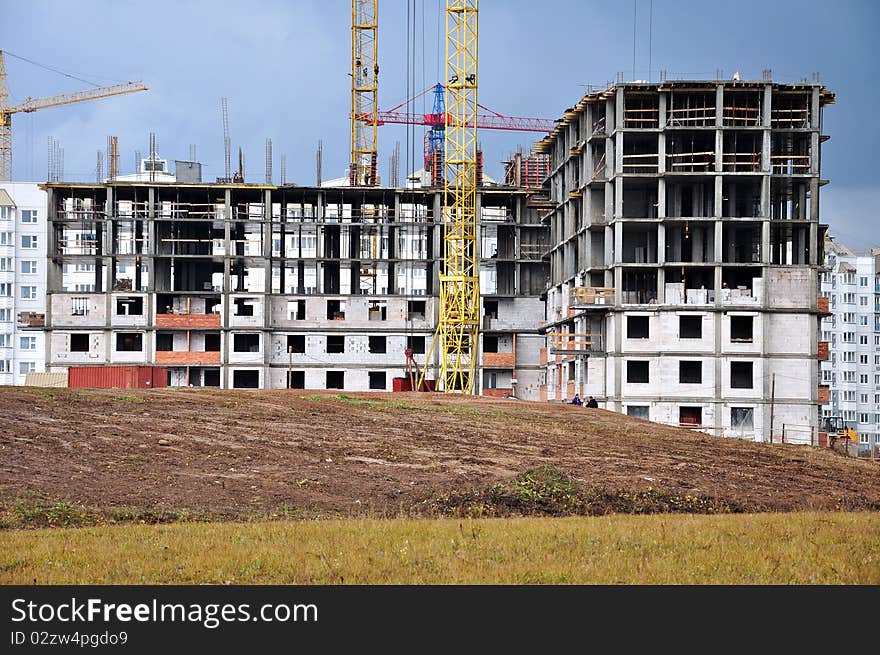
x=364, y=92
x=457, y=333
x=32, y=104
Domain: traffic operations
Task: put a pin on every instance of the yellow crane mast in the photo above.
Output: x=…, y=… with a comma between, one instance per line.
x=457, y=333
x=32, y=104
x=364, y=92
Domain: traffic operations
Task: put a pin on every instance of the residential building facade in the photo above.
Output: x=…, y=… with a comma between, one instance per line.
x=262, y=286
x=686, y=244
x=851, y=334
x=22, y=280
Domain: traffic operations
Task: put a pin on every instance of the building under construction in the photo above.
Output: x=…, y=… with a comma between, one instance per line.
x=686, y=244
x=263, y=286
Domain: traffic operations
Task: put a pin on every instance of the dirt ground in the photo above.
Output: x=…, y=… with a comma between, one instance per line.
x=242, y=454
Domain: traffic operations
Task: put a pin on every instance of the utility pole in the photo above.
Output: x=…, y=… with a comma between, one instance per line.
x=772, y=403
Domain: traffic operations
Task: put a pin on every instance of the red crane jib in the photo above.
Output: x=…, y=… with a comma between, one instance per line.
x=484, y=121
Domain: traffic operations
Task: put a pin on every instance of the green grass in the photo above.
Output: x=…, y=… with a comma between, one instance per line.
x=752, y=549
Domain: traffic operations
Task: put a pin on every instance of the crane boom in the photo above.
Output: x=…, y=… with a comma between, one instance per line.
x=33, y=104
x=484, y=121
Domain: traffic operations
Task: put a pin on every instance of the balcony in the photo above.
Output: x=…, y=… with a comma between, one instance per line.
x=188, y=321
x=187, y=358
x=583, y=297
x=31, y=320
x=569, y=343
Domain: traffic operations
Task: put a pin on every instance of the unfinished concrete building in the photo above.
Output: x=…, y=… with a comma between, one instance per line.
x=261, y=286
x=686, y=249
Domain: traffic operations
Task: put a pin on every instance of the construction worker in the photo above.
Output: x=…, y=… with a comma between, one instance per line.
x=592, y=403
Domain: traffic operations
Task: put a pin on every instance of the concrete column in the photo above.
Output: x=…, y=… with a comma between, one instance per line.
x=661, y=152
x=609, y=246
x=719, y=204
x=618, y=106
x=765, y=196
x=618, y=153
x=618, y=198
x=267, y=289
x=618, y=242
x=765, y=243
x=814, y=199
x=661, y=111
x=661, y=196
x=438, y=244
x=267, y=246
x=225, y=334
x=719, y=150
x=618, y=285
x=814, y=245
x=661, y=286
x=719, y=105
x=661, y=244
x=815, y=111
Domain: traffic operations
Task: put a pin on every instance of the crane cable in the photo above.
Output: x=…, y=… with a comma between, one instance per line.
x=55, y=70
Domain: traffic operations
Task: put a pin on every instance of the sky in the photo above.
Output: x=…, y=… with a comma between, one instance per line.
x=284, y=67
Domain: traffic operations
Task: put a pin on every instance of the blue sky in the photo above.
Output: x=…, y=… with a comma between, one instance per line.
x=284, y=67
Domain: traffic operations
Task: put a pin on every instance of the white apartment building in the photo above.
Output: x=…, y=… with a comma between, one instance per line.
x=851, y=282
x=22, y=279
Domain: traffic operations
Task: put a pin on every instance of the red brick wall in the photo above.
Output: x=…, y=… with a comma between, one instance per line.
x=188, y=320
x=501, y=360
x=181, y=357
x=497, y=393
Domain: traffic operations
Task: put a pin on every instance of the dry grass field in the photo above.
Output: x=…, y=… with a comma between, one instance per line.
x=795, y=548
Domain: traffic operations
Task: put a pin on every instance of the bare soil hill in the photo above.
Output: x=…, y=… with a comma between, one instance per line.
x=246, y=454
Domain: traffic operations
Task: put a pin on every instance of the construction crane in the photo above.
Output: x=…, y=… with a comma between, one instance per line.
x=487, y=119
x=364, y=92
x=457, y=334
x=32, y=104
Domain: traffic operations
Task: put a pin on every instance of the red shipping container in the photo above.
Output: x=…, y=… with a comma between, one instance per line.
x=401, y=384
x=117, y=377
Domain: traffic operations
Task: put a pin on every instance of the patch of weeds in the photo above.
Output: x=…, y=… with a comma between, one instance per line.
x=545, y=490
x=378, y=404
x=285, y=512
x=129, y=399
x=42, y=514
x=654, y=501
x=148, y=517
x=11, y=565
x=44, y=393
x=550, y=492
